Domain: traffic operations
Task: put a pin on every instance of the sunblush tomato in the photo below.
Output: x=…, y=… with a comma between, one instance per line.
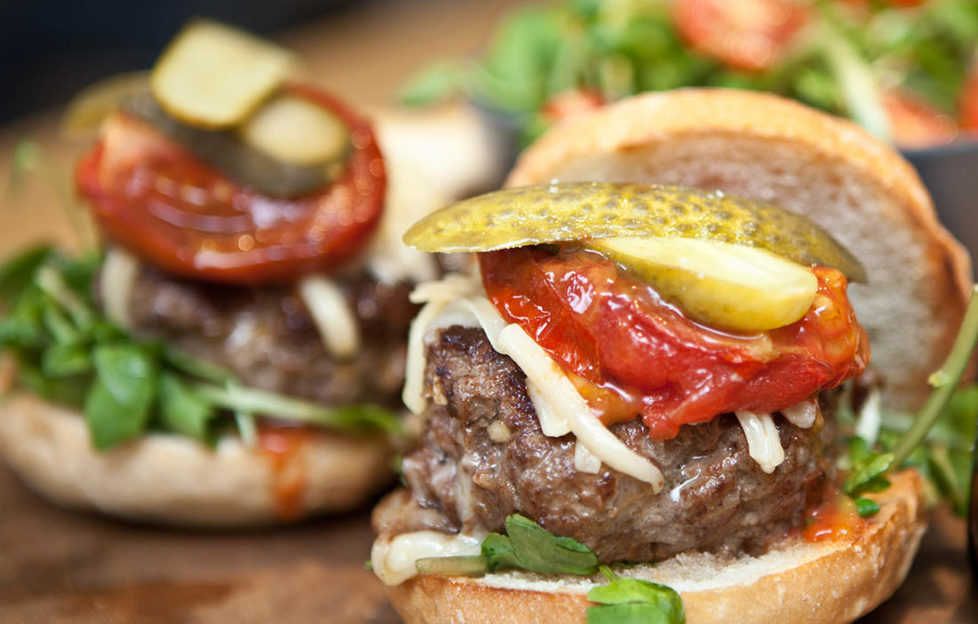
x=630, y=353
x=916, y=124
x=158, y=199
x=748, y=34
x=968, y=101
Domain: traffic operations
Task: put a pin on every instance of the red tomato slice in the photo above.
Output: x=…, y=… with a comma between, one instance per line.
x=158, y=199
x=746, y=34
x=968, y=101
x=916, y=124
x=573, y=102
x=632, y=353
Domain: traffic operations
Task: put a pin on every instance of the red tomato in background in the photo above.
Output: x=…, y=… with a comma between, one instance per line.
x=573, y=102
x=153, y=196
x=630, y=353
x=745, y=34
x=916, y=124
x=968, y=101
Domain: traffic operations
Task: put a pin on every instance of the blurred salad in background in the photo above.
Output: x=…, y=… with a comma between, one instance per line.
x=907, y=70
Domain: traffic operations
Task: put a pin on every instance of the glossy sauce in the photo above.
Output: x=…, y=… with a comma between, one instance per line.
x=834, y=519
x=631, y=353
x=282, y=446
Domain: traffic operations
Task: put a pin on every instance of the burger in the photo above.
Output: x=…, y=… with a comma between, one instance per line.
x=633, y=409
x=233, y=355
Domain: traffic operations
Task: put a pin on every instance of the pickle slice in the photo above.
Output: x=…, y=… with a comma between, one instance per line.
x=723, y=285
x=225, y=151
x=573, y=211
x=294, y=130
x=213, y=76
x=93, y=104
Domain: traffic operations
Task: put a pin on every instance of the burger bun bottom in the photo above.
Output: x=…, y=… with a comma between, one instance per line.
x=827, y=582
x=172, y=480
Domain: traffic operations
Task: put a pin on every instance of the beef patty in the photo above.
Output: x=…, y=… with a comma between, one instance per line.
x=268, y=339
x=716, y=498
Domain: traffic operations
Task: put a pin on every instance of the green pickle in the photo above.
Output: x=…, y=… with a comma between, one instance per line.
x=576, y=211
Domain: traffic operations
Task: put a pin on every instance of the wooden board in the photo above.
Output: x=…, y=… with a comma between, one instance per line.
x=63, y=566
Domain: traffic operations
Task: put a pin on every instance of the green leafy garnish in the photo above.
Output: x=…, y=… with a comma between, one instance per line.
x=528, y=546
x=634, y=601
x=840, y=64
x=866, y=507
x=67, y=352
x=117, y=407
x=937, y=440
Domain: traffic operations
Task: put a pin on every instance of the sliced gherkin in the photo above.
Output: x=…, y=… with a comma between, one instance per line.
x=573, y=211
x=726, y=286
x=233, y=156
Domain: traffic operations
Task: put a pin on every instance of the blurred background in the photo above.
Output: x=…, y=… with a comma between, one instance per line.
x=49, y=49
x=907, y=70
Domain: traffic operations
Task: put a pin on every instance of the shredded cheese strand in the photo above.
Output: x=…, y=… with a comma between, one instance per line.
x=801, y=415
x=763, y=442
x=337, y=325
x=119, y=272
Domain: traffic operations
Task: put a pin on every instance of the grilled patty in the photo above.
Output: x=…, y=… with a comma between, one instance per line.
x=716, y=498
x=268, y=339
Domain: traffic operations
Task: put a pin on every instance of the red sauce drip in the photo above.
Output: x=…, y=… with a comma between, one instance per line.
x=631, y=353
x=282, y=446
x=835, y=518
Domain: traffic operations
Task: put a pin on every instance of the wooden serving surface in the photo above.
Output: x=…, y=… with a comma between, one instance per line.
x=58, y=565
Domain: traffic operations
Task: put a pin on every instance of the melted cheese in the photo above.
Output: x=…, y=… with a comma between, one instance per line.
x=870, y=417
x=410, y=196
x=801, y=415
x=763, y=442
x=395, y=560
x=585, y=460
x=119, y=272
x=338, y=326
x=559, y=406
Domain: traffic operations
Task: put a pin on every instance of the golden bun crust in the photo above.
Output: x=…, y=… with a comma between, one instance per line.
x=824, y=583
x=172, y=480
x=769, y=148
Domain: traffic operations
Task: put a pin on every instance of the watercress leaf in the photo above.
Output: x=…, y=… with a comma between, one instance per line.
x=66, y=360
x=658, y=603
x=864, y=473
x=474, y=565
x=435, y=83
x=196, y=367
x=498, y=552
x=866, y=507
x=79, y=273
x=117, y=407
x=59, y=327
x=183, y=410
x=636, y=613
x=17, y=273
x=70, y=391
x=538, y=550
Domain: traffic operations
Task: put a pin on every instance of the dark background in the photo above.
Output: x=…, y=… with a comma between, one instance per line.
x=49, y=49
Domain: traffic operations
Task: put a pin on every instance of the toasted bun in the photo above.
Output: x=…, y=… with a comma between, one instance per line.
x=768, y=148
x=170, y=479
x=829, y=582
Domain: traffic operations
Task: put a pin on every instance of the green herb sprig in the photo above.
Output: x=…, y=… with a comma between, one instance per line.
x=67, y=352
x=528, y=546
x=622, y=48
x=937, y=440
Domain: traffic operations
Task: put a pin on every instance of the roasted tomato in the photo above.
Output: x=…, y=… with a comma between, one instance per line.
x=631, y=353
x=153, y=196
x=572, y=102
x=914, y=123
x=968, y=101
x=747, y=34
